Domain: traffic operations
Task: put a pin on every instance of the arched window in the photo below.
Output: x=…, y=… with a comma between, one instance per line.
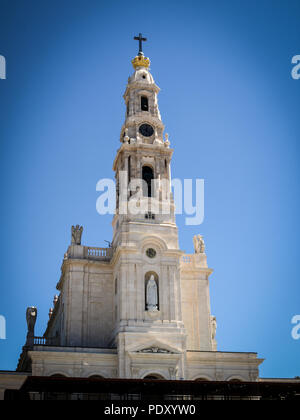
x=144, y=103
x=148, y=176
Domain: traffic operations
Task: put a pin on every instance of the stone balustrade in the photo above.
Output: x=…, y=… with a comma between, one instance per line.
x=187, y=259
x=97, y=253
x=191, y=261
x=43, y=341
x=89, y=253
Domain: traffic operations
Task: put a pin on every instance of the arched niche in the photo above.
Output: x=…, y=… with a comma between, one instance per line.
x=151, y=289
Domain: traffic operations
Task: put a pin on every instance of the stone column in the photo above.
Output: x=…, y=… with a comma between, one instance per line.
x=178, y=311
x=140, y=292
x=164, y=293
x=131, y=292
x=122, y=294
x=172, y=292
x=126, y=158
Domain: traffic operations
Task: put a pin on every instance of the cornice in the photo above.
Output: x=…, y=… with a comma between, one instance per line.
x=141, y=85
x=74, y=354
x=150, y=149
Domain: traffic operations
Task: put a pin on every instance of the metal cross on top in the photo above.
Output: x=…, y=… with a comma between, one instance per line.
x=140, y=39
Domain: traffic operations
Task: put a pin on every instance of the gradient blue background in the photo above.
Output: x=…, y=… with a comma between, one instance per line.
x=232, y=111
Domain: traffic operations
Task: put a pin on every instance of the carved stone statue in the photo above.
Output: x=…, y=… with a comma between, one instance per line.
x=31, y=316
x=213, y=327
x=199, y=244
x=76, y=235
x=152, y=295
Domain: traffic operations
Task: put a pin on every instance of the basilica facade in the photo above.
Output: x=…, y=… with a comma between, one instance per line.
x=141, y=307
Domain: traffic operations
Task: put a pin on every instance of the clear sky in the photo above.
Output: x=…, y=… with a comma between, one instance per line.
x=231, y=108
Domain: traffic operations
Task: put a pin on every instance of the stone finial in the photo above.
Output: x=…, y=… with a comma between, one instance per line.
x=167, y=142
x=199, y=244
x=55, y=300
x=50, y=313
x=31, y=317
x=126, y=137
x=76, y=234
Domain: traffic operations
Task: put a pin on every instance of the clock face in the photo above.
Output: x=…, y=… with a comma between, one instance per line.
x=146, y=130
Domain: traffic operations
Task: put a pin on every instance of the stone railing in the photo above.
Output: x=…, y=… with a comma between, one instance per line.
x=187, y=259
x=100, y=254
x=194, y=261
x=89, y=253
x=42, y=341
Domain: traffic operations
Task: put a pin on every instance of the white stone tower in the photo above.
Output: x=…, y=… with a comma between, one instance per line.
x=145, y=234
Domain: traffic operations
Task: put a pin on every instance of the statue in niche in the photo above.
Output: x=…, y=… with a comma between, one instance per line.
x=152, y=295
x=76, y=235
x=31, y=316
x=199, y=244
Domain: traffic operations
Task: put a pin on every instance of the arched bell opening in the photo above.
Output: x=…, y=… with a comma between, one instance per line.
x=144, y=103
x=148, y=177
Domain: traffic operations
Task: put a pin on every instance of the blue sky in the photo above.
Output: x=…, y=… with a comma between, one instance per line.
x=231, y=108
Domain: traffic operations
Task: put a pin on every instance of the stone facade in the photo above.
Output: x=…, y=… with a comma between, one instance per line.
x=102, y=322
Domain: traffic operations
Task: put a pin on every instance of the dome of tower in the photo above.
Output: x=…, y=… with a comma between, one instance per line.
x=142, y=75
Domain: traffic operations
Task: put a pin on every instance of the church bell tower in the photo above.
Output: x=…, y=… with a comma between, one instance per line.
x=147, y=258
